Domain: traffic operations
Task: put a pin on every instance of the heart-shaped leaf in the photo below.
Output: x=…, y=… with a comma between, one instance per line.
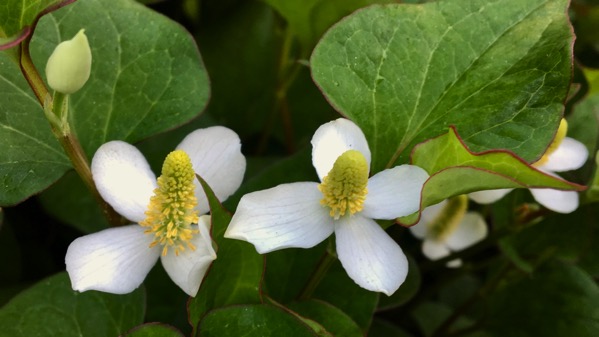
x=147, y=76
x=236, y=274
x=253, y=321
x=499, y=71
x=18, y=17
x=455, y=170
x=52, y=308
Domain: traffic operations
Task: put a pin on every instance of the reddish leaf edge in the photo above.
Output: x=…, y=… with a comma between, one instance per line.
x=27, y=31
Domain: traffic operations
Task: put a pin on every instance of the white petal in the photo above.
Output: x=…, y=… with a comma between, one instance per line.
x=556, y=200
x=470, y=230
x=489, y=196
x=370, y=257
x=333, y=139
x=570, y=155
x=187, y=269
x=215, y=153
x=434, y=250
x=289, y=215
x=124, y=179
x=454, y=263
x=427, y=216
x=394, y=192
x=115, y=260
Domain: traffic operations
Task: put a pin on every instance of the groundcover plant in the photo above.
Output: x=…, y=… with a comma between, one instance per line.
x=299, y=167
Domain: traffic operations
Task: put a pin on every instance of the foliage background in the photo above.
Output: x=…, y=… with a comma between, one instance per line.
x=535, y=281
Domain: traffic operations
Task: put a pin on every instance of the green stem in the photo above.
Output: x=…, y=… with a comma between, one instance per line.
x=30, y=72
x=287, y=70
x=57, y=112
x=326, y=261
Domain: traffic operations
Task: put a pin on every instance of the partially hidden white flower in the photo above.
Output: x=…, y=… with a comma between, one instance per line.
x=117, y=260
x=564, y=154
x=304, y=214
x=447, y=227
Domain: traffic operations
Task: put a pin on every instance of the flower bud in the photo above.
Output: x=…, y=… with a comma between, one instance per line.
x=69, y=65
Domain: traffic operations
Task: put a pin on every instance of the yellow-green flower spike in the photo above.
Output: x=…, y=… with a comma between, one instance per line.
x=559, y=137
x=448, y=219
x=171, y=210
x=344, y=188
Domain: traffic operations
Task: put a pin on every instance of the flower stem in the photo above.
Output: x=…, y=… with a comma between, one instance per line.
x=30, y=72
x=326, y=261
x=57, y=110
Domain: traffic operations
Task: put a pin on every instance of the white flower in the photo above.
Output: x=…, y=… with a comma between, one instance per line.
x=304, y=214
x=117, y=260
x=564, y=154
x=446, y=227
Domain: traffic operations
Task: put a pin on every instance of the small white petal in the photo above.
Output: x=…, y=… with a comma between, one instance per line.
x=556, y=200
x=333, y=139
x=434, y=250
x=115, y=260
x=489, y=196
x=289, y=215
x=215, y=153
x=427, y=216
x=419, y=230
x=187, y=269
x=454, y=263
x=470, y=230
x=570, y=155
x=370, y=257
x=124, y=179
x=394, y=192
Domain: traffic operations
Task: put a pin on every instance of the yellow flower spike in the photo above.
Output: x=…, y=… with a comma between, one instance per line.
x=449, y=218
x=344, y=189
x=171, y=211
x=557, y=141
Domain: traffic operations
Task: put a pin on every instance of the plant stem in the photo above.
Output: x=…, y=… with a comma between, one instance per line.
x=287, y=71
x=326, y=261
x=30, y=72
x=57, y=110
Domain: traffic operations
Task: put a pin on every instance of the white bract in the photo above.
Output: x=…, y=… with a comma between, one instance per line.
x=564, y=154
x=304, y=214
x=117, y=260
x=446, y=227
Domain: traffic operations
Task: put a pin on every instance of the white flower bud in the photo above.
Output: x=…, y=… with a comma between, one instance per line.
x=69, y=65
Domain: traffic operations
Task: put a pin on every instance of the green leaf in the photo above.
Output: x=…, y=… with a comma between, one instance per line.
x=559, y=300
x=289, y=270
x=154, y=330
x=236, y=274
x=381, y=328
x=147, y=77
x=342, y=292
x=18, y=18
x=308, y=20
x=499, y=71
x=259, y=320
x=554, y=236
x=52, y=308
x=335, y=321
x=69, y=200
x=455, y=170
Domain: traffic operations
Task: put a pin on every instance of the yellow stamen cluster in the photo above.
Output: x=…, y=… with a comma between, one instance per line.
x=344, y=188
x=171, y=210
x=448, y=219
x=557, y=141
